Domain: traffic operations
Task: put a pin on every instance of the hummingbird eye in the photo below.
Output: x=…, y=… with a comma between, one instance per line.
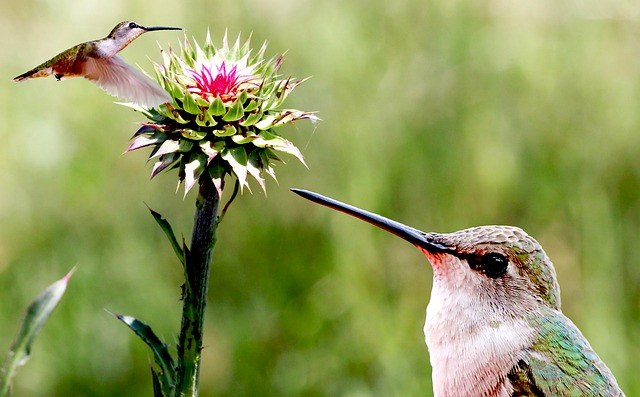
x=492, y=265
x=132, y=25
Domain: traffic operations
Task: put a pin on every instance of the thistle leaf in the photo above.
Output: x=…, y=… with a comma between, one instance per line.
x=252, y=119
x=205, y=119
x=237, y=159
x=145, y=129
x=217, y=172
x=217, y=107
x=268, y=140
x=168, y=231
x=155, y=380
x=235, y=112
x=160, y=351
x=242, y=139
x=34, y=319
x=193, y=134
x=193, y=169
x=168, y=146
x=144, y=141
x=211, y=150
x=189, y=104
x=253, y=167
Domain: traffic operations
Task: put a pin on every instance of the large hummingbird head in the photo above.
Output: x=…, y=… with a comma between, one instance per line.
x=493, y=265
x=127, y=31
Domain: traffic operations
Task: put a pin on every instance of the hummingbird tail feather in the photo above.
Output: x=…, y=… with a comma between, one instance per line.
x=34, y=73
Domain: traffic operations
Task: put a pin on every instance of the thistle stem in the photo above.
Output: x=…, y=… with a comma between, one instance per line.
x=197, y=268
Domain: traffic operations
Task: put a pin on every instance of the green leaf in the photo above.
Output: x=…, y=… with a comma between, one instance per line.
x=269, y=140
x=253, y=105
x=242, y=139
x=168, y=146
x=189, y=104
x=160, y=351
x=193, y=134
x=266, y=123
x=174, y=89
x=164, y=110
x=143, y=140
x=193, y=169
x=168, y=231
x=34, y=319
x=252, y=119
x=237, y=159
x=211, y=150
x=157, y=387
x=201, y=101
x=175, y=115
x=205, y=119
x=254, y=169
x=217, y=107
x=265, y=160
x=227, y=130
x=217, y=172
x=235, y=112
x=165, y=161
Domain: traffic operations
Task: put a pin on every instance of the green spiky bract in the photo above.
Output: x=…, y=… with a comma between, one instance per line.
x=227, y=105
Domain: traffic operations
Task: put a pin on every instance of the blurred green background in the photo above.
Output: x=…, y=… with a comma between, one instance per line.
x=441, y=114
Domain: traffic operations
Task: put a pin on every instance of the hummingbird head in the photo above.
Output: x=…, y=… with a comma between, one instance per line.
x=500, y=264
x=127, y=31
x=492, y=265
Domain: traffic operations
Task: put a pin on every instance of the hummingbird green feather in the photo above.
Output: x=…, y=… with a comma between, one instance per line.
x=98, y=62
x=494, y=327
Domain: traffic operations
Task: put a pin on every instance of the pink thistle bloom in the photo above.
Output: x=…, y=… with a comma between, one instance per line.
x=215, y=81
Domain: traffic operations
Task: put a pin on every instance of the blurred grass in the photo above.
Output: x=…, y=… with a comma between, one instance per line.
x=442, y=114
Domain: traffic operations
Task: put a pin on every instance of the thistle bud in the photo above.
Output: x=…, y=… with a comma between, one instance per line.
x=222, y=120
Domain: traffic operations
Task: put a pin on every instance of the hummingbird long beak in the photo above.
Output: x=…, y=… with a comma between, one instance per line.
x=152, y=28
x=414, y=236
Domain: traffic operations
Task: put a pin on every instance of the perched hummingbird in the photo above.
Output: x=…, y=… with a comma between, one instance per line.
x=98, y=62
x=494, y=325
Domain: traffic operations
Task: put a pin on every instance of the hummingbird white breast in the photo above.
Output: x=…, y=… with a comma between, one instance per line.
x=473, y=342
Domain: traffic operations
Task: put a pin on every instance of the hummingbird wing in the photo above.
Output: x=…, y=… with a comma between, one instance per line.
x=561, y=363
x=118, y=78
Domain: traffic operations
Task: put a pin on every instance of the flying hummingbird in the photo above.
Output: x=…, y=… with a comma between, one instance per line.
x=98, y=62
x=494, y=325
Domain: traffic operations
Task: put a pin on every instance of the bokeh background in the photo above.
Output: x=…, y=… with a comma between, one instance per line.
x=443, y=114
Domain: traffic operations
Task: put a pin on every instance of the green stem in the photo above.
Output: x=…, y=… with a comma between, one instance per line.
x=197, y=267
x=7, y=373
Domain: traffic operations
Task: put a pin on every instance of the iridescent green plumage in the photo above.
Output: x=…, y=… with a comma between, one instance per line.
x=561, y=361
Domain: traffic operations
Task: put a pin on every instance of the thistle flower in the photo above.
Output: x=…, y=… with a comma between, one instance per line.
x=226, y=105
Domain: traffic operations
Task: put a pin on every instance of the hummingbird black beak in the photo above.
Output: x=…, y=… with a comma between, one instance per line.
x=152, y=28
x=414, y=236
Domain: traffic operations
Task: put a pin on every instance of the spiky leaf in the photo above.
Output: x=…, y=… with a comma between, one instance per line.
x=168, y=231
x=160, y=351
x=34, y=319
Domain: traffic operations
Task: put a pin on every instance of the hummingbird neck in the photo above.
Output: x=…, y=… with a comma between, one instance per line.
x=109, y=46
x=473, y=342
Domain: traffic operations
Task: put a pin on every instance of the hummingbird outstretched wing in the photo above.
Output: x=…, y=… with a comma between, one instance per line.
x=118, y=78
x=561, y=363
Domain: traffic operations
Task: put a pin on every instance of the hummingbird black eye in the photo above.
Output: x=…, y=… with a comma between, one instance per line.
x=492, y=265
x=132, y=25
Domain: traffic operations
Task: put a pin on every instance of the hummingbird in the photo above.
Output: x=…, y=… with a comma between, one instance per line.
x=98, y=62
x=493, y=326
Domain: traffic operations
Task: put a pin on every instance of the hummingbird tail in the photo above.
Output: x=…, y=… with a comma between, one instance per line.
x=34, y=73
